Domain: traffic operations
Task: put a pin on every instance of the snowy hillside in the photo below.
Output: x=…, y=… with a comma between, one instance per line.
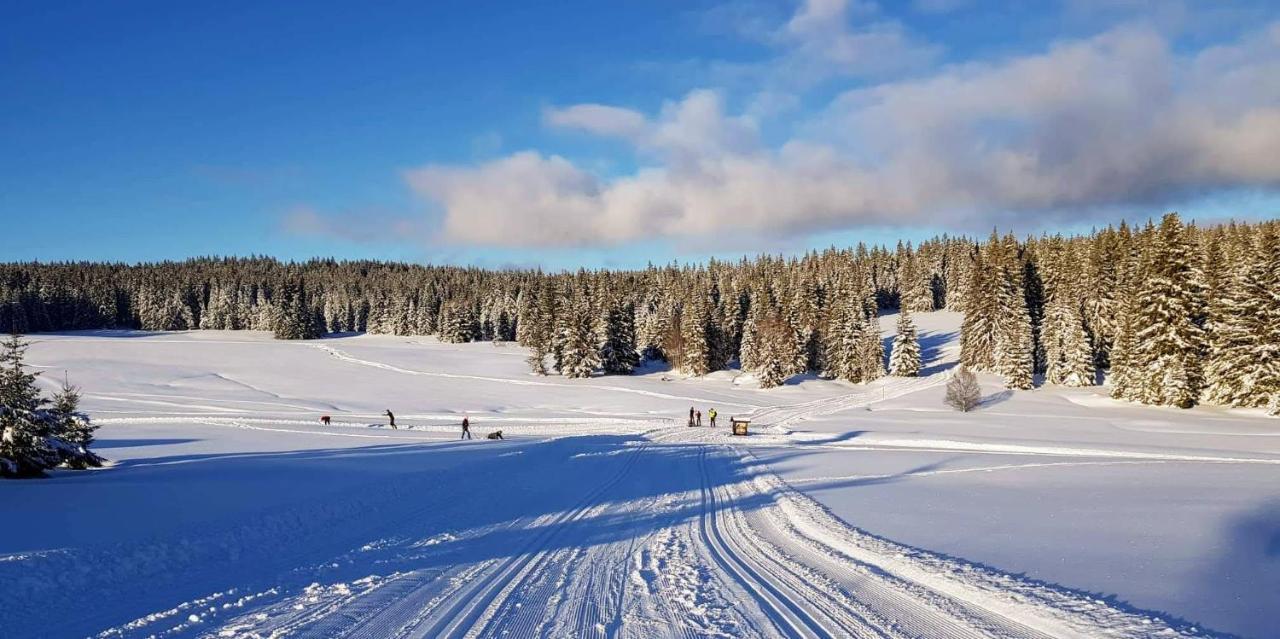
x=852, y=510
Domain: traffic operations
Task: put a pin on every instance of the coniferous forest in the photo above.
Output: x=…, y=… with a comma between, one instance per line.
x=1168, y=314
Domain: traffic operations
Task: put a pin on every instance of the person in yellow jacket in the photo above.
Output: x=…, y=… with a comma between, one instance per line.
x=712, y=414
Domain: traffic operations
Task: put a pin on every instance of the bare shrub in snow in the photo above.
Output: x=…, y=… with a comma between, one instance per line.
x=963, y=392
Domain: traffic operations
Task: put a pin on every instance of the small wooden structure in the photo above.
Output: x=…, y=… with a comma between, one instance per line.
x=739, y=425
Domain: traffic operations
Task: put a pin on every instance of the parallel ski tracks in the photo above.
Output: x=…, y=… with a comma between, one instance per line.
x=471, y=608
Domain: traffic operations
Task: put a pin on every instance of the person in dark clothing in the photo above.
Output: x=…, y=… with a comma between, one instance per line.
x=466, y=428
x=690, y=416
x=392, y=417
x=699, y=419
x=497, y=434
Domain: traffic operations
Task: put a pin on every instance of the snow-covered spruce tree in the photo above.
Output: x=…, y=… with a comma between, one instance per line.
x=870, y=349
x=1014, y=342
x=1068, y=352
x=618, y=354
x=963, y=391
x=695, y=356
x=904, y=359
x=1015, y=345
x=801, y=317
x=1169, y=342
x=959, y=259
x=218, y=314
x=458, y=323
x=536, y=331
x=977, y=329
x=526, y=314
x=580, y=355
x=777, y=350
x=1033, y=292
x=72, y=429
x=294, y=318
x=25, y=428
x=749, y=350
x=1244, y=345
x=915, y=279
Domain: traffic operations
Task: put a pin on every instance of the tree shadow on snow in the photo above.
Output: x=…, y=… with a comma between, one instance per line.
x=1243, y=580
x=134, y=443
x=931, y=343
x=995, y=398
x=283, y=520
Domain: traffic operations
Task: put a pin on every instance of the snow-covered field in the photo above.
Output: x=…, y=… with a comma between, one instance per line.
x=852, y=511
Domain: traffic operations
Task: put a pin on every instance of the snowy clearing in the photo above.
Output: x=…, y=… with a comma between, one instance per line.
x=853, y=510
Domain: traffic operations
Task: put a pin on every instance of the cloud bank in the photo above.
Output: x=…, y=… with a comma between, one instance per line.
x=1118, y=119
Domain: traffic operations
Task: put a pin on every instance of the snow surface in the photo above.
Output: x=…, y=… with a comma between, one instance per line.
x=853, y=510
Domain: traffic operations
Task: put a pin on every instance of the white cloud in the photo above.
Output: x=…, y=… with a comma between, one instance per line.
x=598, y=119
x=1118, y=119
x=828, y=38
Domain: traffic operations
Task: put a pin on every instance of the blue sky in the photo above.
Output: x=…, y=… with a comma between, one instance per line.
x=616, y=133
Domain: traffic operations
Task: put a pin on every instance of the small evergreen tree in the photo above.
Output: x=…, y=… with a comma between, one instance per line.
x=25, y=449
x=72, y=429
x=904, y=359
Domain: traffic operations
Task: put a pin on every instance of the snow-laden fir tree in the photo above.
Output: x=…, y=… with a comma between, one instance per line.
x=1033, y=291
x=904, y=359
x=1169, y=342
x=777, y=350
x=1244, y=346
x=978, y=328
x=293, y=316
x=915, y=280
x=526, y=312
x=25, y=449
x=1015, y=343
x=1067, y=350
x=579, y=351
x=617, y=338
x=72, y=430
x=870, y=350
x=801, y=316
x=963, y=391
x=458, y=324
x=1013, y=356
x=36, y=436
x=749, y=351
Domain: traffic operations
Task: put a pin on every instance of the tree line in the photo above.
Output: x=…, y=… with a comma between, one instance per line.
x=1170, y=313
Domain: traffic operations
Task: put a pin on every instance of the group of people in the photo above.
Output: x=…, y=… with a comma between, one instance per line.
x=695, y=417
x=466, y=425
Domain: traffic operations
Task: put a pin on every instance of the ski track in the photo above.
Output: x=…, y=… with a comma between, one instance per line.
x=745, y=555
x=341, y=355
x=724, y=548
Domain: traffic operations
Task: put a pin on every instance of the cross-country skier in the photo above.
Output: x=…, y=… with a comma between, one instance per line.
x=712, y=414
x=392, y=417
x=466, y=428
